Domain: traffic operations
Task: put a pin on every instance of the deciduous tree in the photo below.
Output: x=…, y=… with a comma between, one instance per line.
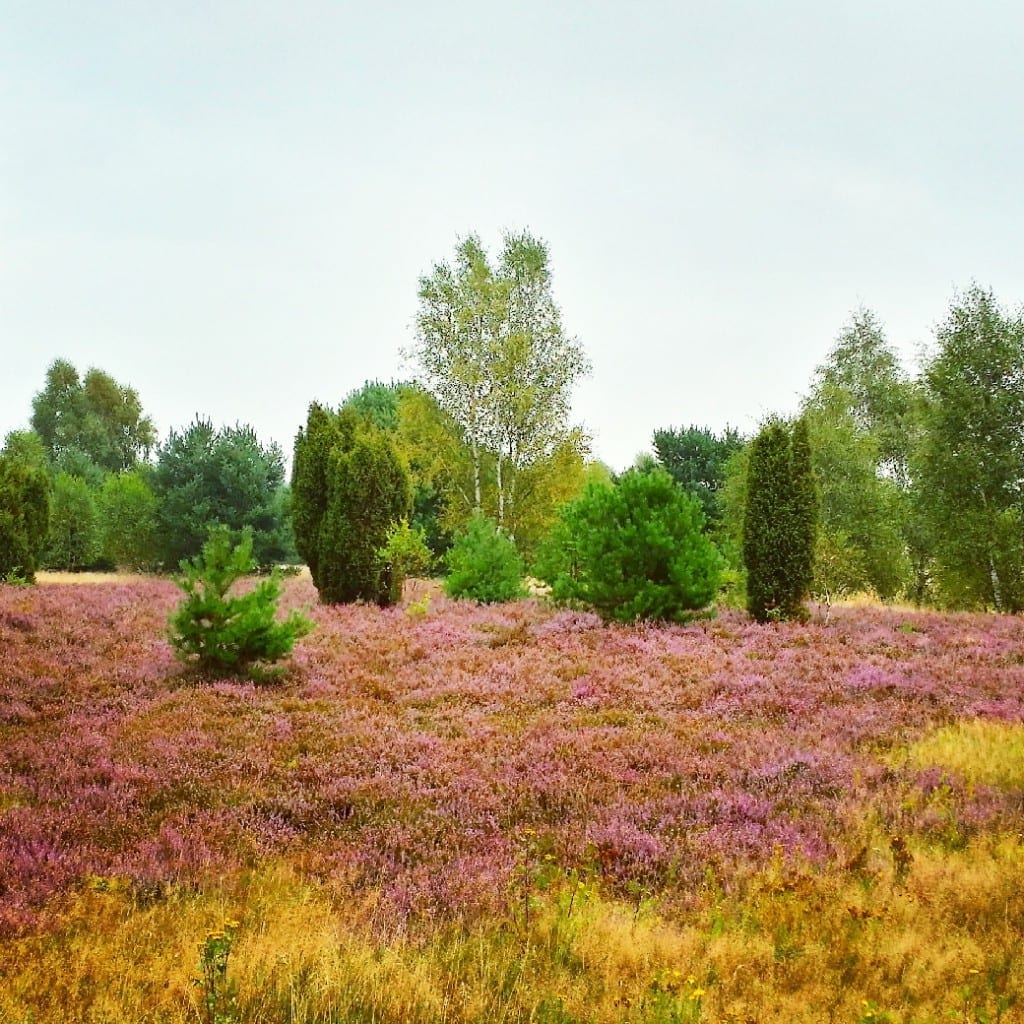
x=969, y=470
x=94, y=418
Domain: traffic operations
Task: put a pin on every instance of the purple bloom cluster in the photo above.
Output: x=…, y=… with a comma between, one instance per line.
x=430, y=757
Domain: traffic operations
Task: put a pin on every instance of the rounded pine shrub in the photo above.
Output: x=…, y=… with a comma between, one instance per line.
x=484, y=565
x=633, y=551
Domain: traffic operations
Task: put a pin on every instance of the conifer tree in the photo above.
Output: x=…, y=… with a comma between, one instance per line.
x=779, y=526
x=349, y=488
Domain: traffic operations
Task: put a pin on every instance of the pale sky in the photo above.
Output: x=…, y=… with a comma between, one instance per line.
x=227, y=205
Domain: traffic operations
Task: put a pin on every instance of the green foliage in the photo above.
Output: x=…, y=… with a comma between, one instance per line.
x=492, y=352
x=222, y=634
x=859, y=412
x=90, y=421
x=406, y=551
x=349, y=487
x=376, y=402
x=26, y=447
x=862, y=510
x=696, y=459
x=128, y=517
x=205, y=476
x=73, y=542
x=969, y=466
x=24, y=515
x=779, y=526
x=863, y=379
x=484, y=565
x=634, y=551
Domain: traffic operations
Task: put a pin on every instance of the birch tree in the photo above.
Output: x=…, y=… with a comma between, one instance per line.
x=491, y=349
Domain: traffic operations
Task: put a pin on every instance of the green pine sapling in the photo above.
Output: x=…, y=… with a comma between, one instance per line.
x=230, y=635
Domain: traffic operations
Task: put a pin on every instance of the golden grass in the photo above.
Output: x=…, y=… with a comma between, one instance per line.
x=982, y=752
x=793, y=946
x=48, y=578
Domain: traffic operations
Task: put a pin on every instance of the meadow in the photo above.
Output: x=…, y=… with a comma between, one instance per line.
x=452, y=813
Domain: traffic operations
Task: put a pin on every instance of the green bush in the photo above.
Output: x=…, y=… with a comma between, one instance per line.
x=780, y=523
x=220, y=634
x=349, y=488
x=74, y=538
x=127, y=512
x=636, y=551
x=24, y=517
x=484, y=565
x=407, y=552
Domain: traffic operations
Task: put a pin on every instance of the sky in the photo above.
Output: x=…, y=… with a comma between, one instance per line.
x=228, y=205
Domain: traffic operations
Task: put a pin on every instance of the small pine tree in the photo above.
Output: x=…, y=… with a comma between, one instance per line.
x=484, y=565
x=780, y=523
x=635, y=551
x=221, y=634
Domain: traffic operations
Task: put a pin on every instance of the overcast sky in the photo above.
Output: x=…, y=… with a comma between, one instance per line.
x=227, y=205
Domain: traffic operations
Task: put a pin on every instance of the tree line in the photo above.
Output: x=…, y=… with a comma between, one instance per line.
x=905, y=487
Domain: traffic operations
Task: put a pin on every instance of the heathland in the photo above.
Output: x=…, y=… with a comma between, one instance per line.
x=447, y=812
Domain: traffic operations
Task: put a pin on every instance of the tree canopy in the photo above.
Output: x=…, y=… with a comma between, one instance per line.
x=205, y=476
x=970, y=459
x=492, y=351
x=92, y=418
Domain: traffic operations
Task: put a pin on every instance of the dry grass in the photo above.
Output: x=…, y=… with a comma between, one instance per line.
x=794, y=946
x=981, y=752
x=48, y=578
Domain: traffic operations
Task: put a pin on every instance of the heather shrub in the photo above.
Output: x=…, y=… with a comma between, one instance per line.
x=484, y=565
x=636, y=551
x=226, y=634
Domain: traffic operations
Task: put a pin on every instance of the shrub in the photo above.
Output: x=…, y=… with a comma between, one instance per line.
x=74, y=538
x=24, y=517
x=406, y=551
x=779, y=525
x=128, y=508
x=636, y=551
x=484, y=565
x=349, y=488
x=230, y=635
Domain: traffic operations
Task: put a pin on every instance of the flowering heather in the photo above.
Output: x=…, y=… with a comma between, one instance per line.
x=437, y=760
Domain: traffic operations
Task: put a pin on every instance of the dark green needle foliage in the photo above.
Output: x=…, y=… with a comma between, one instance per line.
x=223, y=634
x=780, y=523
x=349, y=489
x=633, y=552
